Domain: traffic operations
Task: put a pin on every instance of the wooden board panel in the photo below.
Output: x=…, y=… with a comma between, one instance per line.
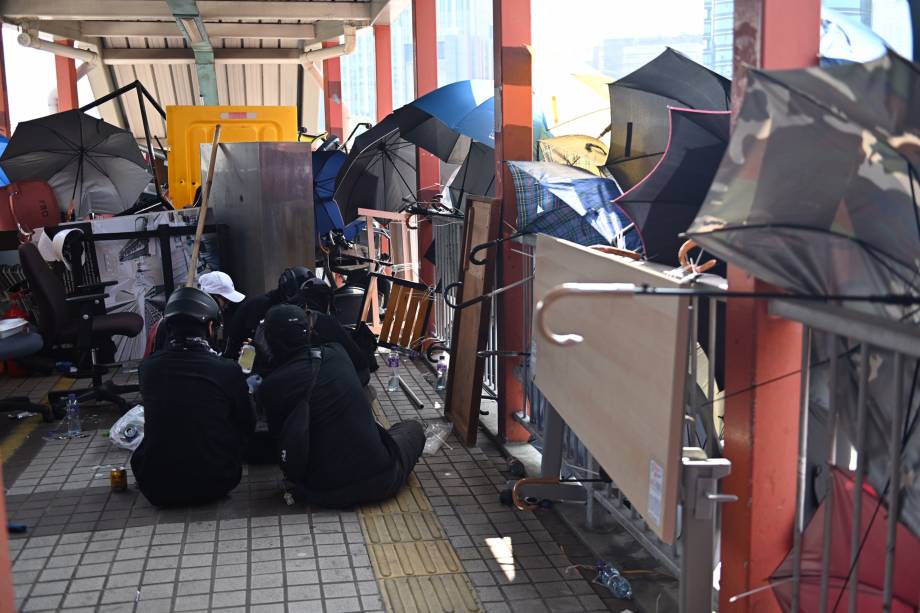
x=412, y=313
x=424, y=310
x=622, y=389
x=399, y=315
x=390, y=316
x=471, y=324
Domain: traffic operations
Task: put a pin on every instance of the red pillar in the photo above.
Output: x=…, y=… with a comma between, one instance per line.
x=383, y=60
x=425, y=39
x=7, y=598
x=513, y=141
x=66, y=69
x=761, y=425
x=332, y=88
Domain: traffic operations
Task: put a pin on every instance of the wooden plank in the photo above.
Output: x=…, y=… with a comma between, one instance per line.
x=390, y=315
x=412, y=313
x=424, y=310
x=399, y=315
x=622, y=389
x=471, y=324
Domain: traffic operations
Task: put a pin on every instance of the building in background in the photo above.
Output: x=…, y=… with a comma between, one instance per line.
x=464, y=40
x=402, y=57
x=718, y=34
x=359, y=84
x=617, y=57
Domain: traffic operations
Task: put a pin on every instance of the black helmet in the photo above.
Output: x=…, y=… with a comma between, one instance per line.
x=317, y=295
x=291, y=279
x=192, y=303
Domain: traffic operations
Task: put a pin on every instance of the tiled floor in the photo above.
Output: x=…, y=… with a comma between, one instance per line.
x=445, y=542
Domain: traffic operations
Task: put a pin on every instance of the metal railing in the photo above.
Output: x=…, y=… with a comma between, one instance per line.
x=448, y=244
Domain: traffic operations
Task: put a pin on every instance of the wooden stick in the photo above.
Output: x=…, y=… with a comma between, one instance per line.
x=206, y=192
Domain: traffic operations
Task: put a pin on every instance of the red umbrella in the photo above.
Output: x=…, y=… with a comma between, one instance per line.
x=870, y=571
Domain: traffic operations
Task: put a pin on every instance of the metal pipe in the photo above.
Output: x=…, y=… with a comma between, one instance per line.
x=894, y=489
x=829, y=499
x=856, y=534
x=329, y=53
x=802, y=471
x=28, y=39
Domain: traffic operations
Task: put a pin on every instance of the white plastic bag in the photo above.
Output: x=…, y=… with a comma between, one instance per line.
x=128, y=431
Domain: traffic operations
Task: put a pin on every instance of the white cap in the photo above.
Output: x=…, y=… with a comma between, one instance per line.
x=221, y=284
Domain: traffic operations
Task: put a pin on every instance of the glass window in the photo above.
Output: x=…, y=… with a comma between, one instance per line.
x=464, y=40
x=403, y=58
x=359, y=83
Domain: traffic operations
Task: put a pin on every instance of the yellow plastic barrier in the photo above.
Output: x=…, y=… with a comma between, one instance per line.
x=187, y=127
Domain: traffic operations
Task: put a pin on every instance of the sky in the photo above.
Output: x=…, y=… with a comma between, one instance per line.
x=30, y=79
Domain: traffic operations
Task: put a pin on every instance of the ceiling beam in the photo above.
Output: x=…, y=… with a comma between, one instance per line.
x=189, y=21
x=168, y=29
x=187, y=56
x=106, y=10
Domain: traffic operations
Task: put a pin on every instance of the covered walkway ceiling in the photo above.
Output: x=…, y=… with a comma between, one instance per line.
x=248, y=50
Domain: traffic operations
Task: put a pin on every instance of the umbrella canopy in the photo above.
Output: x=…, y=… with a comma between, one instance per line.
x=431, y=121
x=844, y=39
x=639, y=110
x=4, y=180
x=326, y=213
x=569, y=203
x=666, y=201
x=576, y=150
x=85, y=160
x=479, y=125
x=379, y=172
x=475, y=177
x=573, y=103
x=816, y=192
x=870, y=573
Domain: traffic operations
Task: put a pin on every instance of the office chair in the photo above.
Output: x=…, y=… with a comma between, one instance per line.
x=77, y=322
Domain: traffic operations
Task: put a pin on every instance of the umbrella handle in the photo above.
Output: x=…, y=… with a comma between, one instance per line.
x=685, y=262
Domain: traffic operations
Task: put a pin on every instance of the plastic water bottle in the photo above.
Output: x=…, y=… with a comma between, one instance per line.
x=611, y=578
x=442, y=374
x=393, y=363
x=73, y=417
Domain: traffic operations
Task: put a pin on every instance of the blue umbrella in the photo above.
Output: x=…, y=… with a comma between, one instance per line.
x=326, y=166
x=479, y=124
x=4, y=141
x=430, y=121
x=571, y=204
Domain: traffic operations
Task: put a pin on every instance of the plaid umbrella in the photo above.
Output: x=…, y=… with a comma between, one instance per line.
x=571, y=204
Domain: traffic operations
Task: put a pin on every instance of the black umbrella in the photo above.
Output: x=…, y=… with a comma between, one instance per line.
x=817, y=192
x=639, y=110
x=475, y=177
x=86, y=161
x=379, y=172
x=665, y=202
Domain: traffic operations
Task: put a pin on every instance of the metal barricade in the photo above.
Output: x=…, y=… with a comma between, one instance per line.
x=448, y=241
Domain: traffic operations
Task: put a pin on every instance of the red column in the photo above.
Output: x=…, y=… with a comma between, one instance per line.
x=66, y=70
x=425, y=39
x=513, y=141
x=332, y=89
x=7, y=598
x=761, y=425
x=383, y=60
x=4, y=99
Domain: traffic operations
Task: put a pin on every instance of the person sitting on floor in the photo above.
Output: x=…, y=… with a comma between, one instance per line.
x=220, y=286
x=242, y=326
x=330, y=445
x=197, y=410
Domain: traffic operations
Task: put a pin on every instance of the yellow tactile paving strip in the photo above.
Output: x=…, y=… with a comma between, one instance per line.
x=416, y=566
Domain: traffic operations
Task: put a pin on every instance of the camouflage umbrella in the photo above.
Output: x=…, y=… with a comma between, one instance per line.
x=817, y=190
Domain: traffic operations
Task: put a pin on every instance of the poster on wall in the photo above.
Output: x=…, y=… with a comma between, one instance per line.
x=136, y=266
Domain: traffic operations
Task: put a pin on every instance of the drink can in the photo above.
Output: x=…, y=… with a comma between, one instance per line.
x=119, y=479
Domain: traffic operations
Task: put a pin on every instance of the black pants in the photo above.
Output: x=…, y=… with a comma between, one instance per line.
x=406, y=440
x=409, y=437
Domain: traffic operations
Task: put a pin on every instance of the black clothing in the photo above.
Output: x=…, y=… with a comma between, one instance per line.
x=197, y=416
x=326, y=329
x=246, y=319
x=351, y=459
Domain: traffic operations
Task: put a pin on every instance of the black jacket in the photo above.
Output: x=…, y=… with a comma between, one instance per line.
x=350, y=459
x=197, y=416
x=245, y=320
